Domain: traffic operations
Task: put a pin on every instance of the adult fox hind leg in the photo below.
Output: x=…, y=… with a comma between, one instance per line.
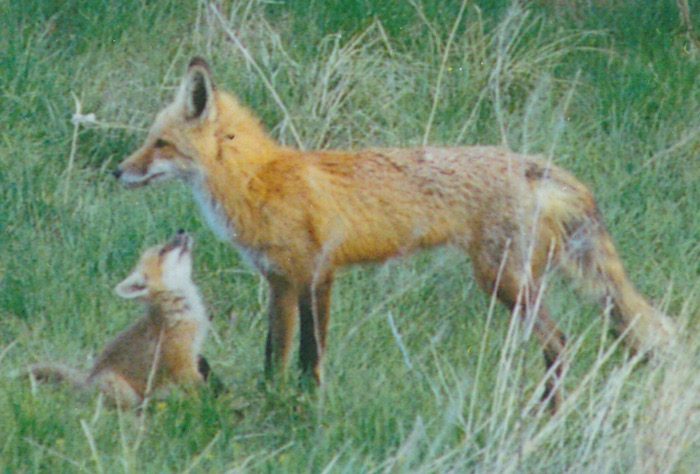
x=551, y=339
x=314, y=311
x=500, y=268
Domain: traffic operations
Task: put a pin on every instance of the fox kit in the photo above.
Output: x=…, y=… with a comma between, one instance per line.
x=163, y=346
x=297, y=216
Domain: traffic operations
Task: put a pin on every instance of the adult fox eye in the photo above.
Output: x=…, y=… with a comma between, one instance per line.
x=160, y=143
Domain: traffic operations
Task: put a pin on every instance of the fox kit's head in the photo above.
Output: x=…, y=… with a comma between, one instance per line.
x=196, y=133
x=163, y=268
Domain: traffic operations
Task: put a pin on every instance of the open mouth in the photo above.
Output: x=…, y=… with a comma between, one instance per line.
x=182, y=241
x=142, y=182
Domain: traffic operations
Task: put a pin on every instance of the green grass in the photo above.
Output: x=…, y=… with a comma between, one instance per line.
x=423, y=375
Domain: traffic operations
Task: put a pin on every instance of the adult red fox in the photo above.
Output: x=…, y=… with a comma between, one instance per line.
x=297, y=216
x=162, y=347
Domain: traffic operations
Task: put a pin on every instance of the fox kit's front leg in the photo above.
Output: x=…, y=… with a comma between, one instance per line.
x=282, y=314
x=179, y=356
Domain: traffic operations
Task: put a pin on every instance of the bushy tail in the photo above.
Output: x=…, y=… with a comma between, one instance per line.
x=647, y=328
x=586, y=251
x=57, y=373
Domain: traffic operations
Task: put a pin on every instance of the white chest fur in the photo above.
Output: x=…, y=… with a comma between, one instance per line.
x=219, y=222
x=199, y=315
x=214, y=214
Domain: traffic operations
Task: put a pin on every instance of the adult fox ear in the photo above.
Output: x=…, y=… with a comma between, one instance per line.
x=133, y=286
x=197, y=91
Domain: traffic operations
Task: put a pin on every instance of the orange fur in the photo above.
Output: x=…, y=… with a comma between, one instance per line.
x=298, y=216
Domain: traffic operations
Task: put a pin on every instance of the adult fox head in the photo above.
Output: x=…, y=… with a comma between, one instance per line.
x=194, y=135
x=163, y=268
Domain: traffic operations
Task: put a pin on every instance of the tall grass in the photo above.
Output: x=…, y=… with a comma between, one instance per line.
x=424, y=373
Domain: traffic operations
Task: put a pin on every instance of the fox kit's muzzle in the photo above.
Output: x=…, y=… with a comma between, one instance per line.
x=181, y=241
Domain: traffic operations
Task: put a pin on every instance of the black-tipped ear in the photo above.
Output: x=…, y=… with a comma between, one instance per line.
x=198, y=61
x=199, y=97
x=198, y=89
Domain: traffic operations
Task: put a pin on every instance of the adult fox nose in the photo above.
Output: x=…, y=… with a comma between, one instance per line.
x=117, y=173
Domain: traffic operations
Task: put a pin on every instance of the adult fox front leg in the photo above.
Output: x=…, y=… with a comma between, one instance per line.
x=297, y=216
x=314, y=315
x=311, y=304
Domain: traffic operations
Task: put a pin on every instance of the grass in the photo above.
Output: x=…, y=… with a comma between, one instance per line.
x=424, y=372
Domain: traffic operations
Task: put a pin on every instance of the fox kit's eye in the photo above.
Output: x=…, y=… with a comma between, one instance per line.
x=160, y=143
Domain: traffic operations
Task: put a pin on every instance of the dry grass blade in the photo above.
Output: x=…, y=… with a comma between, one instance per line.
x=263, y=77
x=441, y=72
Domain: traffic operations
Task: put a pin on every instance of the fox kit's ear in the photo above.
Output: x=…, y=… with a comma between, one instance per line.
x=197, y=91
x=132, y=287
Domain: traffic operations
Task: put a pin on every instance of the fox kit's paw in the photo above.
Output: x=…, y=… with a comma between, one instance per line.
x=210, y=379
x=203, y=367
